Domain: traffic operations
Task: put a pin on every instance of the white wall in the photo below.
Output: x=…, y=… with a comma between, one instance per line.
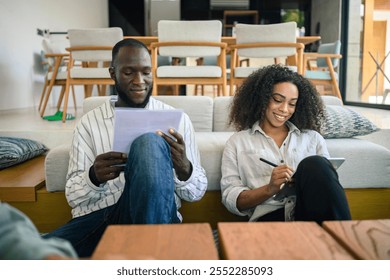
x=21, y=75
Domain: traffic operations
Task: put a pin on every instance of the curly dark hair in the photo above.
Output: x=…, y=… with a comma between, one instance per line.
x=253, y=96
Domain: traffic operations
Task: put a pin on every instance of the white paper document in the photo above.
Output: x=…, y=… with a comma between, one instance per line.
x=131, y=123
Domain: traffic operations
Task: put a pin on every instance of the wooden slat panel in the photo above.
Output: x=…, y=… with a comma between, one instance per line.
x=368, y=239
x=160, y=242
x=278, y=241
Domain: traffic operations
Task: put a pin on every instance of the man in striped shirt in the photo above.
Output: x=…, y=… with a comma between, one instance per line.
x=143, y=187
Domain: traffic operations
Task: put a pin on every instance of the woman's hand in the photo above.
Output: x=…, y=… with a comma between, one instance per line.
x=280, y=175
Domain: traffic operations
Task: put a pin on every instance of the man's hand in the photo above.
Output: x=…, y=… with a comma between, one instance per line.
x=182, y=165
x=107, y=166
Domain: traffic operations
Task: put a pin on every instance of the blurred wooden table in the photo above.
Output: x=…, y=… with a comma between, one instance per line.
x=366, y=239
x=147, y=40
x=157, y=242
x=278, y=241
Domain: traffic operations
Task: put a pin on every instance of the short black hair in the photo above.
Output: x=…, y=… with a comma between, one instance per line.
x=125, y=43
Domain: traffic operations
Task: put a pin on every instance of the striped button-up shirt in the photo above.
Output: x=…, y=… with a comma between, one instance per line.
x=93, y=135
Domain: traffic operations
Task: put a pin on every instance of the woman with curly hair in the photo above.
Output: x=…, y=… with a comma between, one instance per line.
x=278, y=116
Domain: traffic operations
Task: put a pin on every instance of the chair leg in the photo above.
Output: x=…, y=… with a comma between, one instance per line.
x=88, y=90
x=337, y=90
x=61, y=97
x=102, y=90
x=154, y=91
x=42, y=95
x=64, y=111
x=74, y=97
x=231, y=90
x=176, y=90
x=47, y=95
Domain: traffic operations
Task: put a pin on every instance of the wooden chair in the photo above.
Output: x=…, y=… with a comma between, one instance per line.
x=324, y=70
x=270, y=41
x=56, y=75
x=183, y=39
x=92, y=48
x=212, y=60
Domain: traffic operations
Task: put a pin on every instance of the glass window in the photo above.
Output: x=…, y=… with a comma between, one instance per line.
x=368, y=52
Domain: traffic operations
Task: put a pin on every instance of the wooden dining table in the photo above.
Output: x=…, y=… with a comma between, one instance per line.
x=148, y=40
x=229, y=40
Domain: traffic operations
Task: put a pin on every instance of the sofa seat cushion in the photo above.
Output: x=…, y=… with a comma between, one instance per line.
x=367, y=165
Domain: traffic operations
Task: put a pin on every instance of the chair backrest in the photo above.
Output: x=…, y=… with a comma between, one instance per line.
x=196, y=30
x=330, y=48
x=51, y=48
x=266, y=33
x=106, y=37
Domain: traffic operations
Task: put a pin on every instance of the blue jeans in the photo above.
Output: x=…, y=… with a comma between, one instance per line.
x=147, y=198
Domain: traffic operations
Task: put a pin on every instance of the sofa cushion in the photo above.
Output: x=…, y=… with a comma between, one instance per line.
x=221, y=114
x=367, y=165
x=341, y=122
x=17, y=150
x=198, y=108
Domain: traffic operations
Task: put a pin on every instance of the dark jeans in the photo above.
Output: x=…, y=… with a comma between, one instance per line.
x=147, y=198
x=320, y=196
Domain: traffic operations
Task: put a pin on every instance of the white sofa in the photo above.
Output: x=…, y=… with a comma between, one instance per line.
x=367, y=165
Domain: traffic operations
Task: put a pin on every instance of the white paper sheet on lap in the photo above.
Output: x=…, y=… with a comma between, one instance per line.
x=131, y=123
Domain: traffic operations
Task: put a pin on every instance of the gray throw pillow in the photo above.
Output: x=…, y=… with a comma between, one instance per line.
x=341, y=122
x=17, y=150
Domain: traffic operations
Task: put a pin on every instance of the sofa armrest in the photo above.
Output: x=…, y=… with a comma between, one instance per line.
x=56, y=167
x=331, y=100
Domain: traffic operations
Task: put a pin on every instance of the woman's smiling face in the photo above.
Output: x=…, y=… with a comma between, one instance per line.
x=281, y=105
